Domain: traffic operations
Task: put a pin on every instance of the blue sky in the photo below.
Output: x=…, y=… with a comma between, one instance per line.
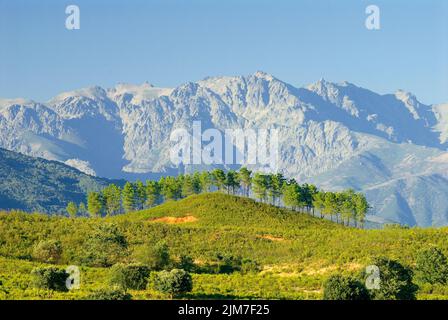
x=168, y=42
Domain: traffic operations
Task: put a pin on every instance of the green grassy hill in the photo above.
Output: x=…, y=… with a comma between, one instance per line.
x=296, y=252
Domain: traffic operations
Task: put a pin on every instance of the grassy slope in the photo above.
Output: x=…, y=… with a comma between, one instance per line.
x=297, y=251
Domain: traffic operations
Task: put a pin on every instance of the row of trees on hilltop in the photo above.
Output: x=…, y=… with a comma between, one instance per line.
x=346, y=207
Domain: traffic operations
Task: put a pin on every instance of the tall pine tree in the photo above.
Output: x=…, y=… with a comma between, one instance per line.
x=112, y=199
x=152, y=193
x=245, y=176
x=94, y=204
x=129, y=197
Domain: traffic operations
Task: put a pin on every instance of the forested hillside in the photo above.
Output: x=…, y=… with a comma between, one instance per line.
x=35, y=184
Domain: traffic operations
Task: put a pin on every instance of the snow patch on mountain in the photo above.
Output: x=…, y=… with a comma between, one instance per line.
x=81, y=165
x=441, y=114
x=138, y=93
x=4, y=103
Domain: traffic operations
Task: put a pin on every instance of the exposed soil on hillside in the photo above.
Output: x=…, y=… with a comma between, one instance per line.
x=175, y=220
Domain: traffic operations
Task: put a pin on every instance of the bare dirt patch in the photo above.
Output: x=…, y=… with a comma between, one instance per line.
x=175, y=220
x=271, y=237
x=315, y=270
x=282, y=270
x=292, y=270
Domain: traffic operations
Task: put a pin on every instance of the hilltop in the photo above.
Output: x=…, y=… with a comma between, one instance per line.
x=296, y=252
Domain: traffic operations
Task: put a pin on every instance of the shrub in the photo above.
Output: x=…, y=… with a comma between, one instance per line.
x=395, y=226
x=156, y=257
x=432, y=266
x=49, y=278
x=186, y=263
x=228, y=264
x=134, y=277
x=3, y=291
x=250, y=266
x=48, y=251
x=395, y=281
x=338, y=287
x=175, y=282
x=105, y=247
x=109, y=294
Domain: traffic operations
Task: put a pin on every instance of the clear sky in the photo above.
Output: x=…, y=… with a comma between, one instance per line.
x=168, y=42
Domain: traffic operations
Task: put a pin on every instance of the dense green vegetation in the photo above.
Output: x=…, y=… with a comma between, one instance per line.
x=129, y=277
x=173, y=283
x=35, y=184
x=339, y=287
x=432, y=266
x=396, y=281
x=345, y=207
x=231, y=246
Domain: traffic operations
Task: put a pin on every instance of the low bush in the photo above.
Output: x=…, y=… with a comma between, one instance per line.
x=175, y=282
x=109, y=294
x=134, y=277
x=104, y=247
x=49, y=278
x=395, y=281
x=48, y=251
x=249, y=266
x=339, y=287
x=156, y=257
x=432, y=266
x=228, y=264
x=186, y=263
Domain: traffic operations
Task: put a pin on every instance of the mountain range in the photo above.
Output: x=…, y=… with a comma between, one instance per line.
x=337, y=135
